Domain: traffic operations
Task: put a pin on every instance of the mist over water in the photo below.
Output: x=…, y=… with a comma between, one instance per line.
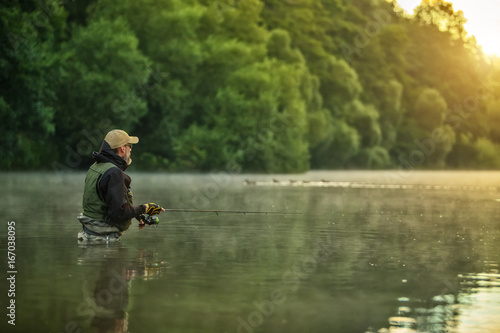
x=368, y=252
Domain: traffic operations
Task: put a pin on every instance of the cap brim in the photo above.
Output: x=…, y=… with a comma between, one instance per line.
x=133, y=139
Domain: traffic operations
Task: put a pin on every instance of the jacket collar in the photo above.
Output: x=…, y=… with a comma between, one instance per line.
x=106, y=154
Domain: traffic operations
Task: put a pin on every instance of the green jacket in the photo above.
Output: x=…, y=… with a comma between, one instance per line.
x=107, y=198
x=94, y=205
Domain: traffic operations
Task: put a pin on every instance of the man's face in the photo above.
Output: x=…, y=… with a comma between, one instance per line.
x=128, y=152
x=125, y=152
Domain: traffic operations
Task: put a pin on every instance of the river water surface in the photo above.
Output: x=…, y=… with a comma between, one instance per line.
x=356, y=252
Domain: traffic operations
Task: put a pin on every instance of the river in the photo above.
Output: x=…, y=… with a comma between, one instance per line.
x=346, y=251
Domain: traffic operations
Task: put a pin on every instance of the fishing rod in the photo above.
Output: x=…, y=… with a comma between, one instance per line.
x=217, y=211
x=154, y=220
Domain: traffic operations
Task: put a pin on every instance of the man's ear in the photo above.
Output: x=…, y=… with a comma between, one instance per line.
x=121, y=150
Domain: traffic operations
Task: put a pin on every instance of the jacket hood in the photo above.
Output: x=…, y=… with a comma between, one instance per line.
x=106, y=154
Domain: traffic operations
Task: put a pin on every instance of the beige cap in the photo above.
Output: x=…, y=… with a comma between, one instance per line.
x=118, y=138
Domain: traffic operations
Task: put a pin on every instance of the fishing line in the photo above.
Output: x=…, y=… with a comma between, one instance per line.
x=217, y=211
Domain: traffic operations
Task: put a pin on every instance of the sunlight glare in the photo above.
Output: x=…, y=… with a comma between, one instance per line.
x=482, y=20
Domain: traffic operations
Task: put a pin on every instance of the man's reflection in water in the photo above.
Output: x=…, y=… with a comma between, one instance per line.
x=111, y=296
x=107, y=300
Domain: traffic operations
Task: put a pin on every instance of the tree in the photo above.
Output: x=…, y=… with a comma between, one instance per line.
x=101, y=79
x=264, y=85
x=27, y=97
x=338, y=149
x=430, y=109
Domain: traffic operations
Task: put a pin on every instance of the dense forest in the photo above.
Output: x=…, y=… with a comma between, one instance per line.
x=246, y=85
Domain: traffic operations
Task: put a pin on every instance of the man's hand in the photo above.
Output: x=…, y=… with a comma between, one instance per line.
x=153, y=209
x=141, y=219
x=147, y=219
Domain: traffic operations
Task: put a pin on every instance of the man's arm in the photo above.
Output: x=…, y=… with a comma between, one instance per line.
x=115, y=194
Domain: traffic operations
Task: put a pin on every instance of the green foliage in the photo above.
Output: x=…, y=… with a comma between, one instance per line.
x=493, y=117
x=320, y=127
x=430, y=109
x=263, y=110
x=443, y=139
x=100, y=78
x=27, y=97
x=336, y=151
x=339, y=84
x=279, y=47
x=264, y=85
x=364, y=118
x=372, y=158
x=442, y=15
x=488, y=154
x=152, y=162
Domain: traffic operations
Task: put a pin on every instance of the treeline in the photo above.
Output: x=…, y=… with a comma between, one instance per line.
x=246, y=85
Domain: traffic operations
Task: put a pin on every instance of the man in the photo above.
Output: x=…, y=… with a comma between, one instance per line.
x=107, y=199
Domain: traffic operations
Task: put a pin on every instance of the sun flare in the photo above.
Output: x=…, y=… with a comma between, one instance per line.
x=482, y=20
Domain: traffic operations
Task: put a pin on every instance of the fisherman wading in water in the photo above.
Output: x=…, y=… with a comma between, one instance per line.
x=107, y=199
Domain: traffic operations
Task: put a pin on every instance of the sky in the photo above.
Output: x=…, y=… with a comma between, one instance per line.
x=483, y=20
